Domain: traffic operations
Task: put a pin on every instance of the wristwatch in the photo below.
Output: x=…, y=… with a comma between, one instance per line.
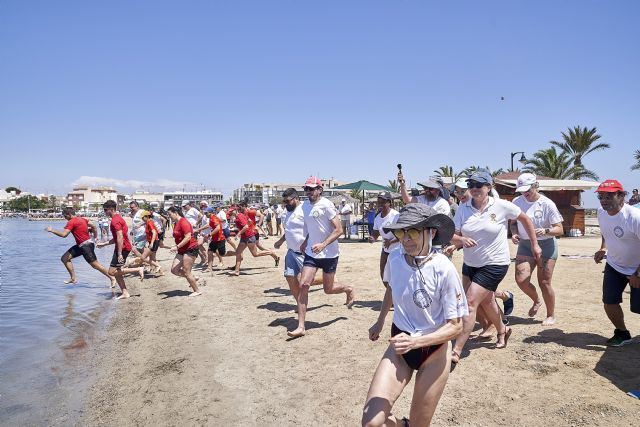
x=547, y=231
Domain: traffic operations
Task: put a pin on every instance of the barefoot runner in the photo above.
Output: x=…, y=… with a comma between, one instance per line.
x=186, y=247
x=247, y=233
x=79, y=228
x=322, y=228
x=119, y=237
x=153, y=241
x=217, y=243
x=429, y=304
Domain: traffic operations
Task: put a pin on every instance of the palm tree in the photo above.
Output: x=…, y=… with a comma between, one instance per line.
x=471, y=169
x=447, y=170
x=636, y=157
x=393, y=185
x=579, y=142
x=558, y=165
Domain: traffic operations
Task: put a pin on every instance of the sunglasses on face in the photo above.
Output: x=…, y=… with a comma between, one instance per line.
x=475, y=184
x=309, y=188
x=413, y=233
x=606, y=196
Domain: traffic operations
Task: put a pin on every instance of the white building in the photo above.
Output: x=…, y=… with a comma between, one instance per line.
x=262, y=193
x=144, y=197
x=88, y=198
x=175, y=198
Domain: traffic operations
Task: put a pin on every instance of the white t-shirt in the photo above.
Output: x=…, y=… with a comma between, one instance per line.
x=204, y=221
x=543, y=213
x=222, y=216
x=345, y=212
x=489, y=229
x=318, y=226
x=440, y=205
x=192, y=216
x=420, y=308
x=621, y=233
x=294, y=228
x=138, y=227
x=281, y=212
x=157, y=220
x=379, y=223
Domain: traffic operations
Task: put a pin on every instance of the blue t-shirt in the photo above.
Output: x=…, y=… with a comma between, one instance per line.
x=371, y=216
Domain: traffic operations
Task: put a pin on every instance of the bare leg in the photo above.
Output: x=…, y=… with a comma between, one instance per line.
x=306, y=279
x=294, y=286
x=390, y=378
x=66, y=260
x=332, y=287
x=119, y=275
x=102, y=269
x=429, y=385
x=187, y=264
x=615, y=315
x=241, y=247
x=494, y=315
x=255, y=253
x=524, y=267
x=545, y=273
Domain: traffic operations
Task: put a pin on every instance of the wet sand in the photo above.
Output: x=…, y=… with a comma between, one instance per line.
x=224, y=358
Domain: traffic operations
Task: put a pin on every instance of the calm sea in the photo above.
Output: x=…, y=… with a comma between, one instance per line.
x=47, y=328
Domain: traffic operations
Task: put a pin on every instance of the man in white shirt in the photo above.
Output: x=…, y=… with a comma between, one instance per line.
x=280, y=213
x=322, y=228
x=345, y=210
x=430, y=195
x=620, y=228
x=222, y=216
x=137, y=232
x=294, y=236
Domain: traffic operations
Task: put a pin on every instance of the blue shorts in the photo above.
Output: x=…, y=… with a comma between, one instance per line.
x=226, y=232
x=614, y=284
x=328, y=265
x=293, y=263
x=487, y=276
x=549, y=248
x=248, y=240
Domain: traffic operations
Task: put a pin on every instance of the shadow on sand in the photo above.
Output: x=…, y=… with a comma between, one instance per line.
x=279, y=307
x=290, y=323
x=175, y=293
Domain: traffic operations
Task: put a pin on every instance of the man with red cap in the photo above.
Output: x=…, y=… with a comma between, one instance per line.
x=620, y=229
x=322, y=227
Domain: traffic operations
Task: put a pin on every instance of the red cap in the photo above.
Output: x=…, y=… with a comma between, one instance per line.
x=610, y=186
x=313, y=181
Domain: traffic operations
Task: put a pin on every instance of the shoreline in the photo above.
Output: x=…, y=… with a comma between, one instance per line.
x=223, y=358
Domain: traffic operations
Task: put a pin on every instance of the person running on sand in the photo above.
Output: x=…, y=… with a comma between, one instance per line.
x=217, y=243
x=387, y=216
x=79, y=228
x=322, y=228
x=247, y=233
x=547, y=222
x=194, y=216
x=153, y=241
x=481, y=230
x=620, y=227
x=119, y=237
x=222, y=215
x=429, y=305
x=186, y=247
x=203, y=231
x=294, y=236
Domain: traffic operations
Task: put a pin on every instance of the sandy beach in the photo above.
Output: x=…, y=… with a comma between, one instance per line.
x=224, y=358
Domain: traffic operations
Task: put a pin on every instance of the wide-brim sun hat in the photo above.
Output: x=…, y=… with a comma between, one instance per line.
x=525, y=181
x=429, y=184
x=420, y=216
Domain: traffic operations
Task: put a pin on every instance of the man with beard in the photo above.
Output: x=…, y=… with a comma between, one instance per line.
x=430, y=195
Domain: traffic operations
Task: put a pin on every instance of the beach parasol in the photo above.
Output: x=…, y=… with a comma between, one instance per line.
x=363, y=186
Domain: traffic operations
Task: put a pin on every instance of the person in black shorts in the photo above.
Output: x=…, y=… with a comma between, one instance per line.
x=84, y=246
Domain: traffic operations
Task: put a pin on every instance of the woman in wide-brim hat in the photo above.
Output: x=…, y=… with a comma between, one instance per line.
x=429, y=304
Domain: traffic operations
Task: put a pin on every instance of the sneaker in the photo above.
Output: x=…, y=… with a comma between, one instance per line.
x=619, y=338
x=505, y=321
x=508, y=304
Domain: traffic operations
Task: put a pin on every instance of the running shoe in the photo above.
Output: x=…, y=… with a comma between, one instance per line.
x=508, y=304
x=619, y=338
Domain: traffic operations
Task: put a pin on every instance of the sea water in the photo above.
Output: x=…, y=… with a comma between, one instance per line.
x=47, y=328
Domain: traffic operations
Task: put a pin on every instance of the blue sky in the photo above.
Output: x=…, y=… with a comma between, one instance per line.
x=222, y=93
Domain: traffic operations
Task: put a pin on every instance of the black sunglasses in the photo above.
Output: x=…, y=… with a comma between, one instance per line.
x=309, y=188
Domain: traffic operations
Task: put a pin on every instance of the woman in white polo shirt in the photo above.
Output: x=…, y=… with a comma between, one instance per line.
x=385, y=218
x=429, y=304
x=481, y=230
x=547, y=223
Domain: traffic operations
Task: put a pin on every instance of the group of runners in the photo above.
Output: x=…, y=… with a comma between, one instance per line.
x=434, y=308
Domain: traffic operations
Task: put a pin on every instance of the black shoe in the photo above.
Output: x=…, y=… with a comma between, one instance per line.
x=619, y=338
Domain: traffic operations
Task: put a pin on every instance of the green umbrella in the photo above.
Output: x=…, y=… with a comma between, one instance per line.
x=363, y=186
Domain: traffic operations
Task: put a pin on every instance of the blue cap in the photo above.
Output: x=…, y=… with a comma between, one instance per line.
x=482, y=176
x=209, y=210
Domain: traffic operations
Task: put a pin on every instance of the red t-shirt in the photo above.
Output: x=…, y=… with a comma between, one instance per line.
x=118, y=224
x=179, y=231
x=214, y=222
x=79, y=228
x=241, y=221
x=149, y=228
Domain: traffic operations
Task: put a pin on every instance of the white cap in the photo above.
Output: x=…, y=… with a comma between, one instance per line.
x=462, y=183
x=525, y=181
x=185, y=203
x=344, y=200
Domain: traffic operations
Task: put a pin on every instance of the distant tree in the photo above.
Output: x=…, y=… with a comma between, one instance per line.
x=636, y=157
x=356, y=194
x=578, y=142
x=26, y=202
x=554, y=164
x=393, y=185
x=10, y=189
x=52, y=202
x=471, y=169
x=274, y=200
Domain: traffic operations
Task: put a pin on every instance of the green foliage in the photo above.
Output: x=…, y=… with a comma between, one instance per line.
x=447, y=170
x=578, y=142
x=274, y=200
x=10, y=189
x=26, y=202
x=394, y=186
x=558, y=165
x=636, y=157
x=471, y=169
x=356, y=194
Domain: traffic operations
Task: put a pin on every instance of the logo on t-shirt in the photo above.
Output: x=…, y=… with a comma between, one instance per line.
x=421, y=298
x=618, y=231
x=492, y=217
x=315, y=214
x=537, y=214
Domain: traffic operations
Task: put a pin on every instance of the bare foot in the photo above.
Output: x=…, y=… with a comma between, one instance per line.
x=113, y=283
x=350, y=298
x=71, y=281
x=141, y=273
x=534, y=309
x=296, y=333
x=195, y=294
x=503, y=338
x=236, y=273
x=549, y=321
x=124, y=295
x=486, y=332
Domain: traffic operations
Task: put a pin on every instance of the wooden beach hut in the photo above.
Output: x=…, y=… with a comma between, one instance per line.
x=566, y=193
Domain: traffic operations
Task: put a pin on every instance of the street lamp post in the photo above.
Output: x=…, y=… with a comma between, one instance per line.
x=522, y=160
